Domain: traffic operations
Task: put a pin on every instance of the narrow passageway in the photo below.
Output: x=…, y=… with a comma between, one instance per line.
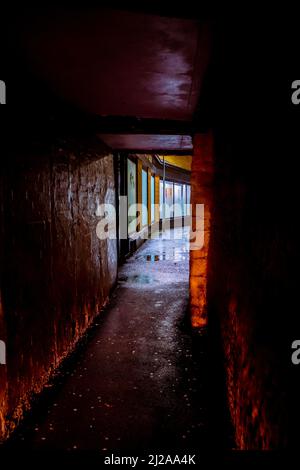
x=114, y=124
x=138, y=383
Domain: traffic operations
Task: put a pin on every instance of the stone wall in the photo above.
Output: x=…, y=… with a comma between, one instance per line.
x=251, y=294
x=56, y=275
x=244, y=280
x=251, y=287
x=201, y=193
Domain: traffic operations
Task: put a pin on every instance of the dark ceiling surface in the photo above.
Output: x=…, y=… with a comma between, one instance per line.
x=112, y=62
x=148, y=142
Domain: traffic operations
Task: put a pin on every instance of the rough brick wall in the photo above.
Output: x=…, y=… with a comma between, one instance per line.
x=56, y=275
x=201, y=193
x=244, y=279
x=252, y=274
x=250, y=288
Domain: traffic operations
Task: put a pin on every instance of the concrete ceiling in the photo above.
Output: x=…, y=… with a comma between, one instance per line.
x=122, y=63
x=148, y=142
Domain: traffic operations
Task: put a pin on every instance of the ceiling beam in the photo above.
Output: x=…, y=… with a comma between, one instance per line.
x=134, y=125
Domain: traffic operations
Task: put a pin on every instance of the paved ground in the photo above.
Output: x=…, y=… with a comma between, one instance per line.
x=138, y=382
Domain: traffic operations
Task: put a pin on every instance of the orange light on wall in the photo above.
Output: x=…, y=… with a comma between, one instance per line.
x=201, y=193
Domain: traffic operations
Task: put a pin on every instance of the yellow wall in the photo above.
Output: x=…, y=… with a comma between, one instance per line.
x=182, y=161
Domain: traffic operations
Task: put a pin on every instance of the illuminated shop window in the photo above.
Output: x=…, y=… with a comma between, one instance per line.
x=184, y=199
x=131, y=192
x=178, y=201
x=169, y=196
x=178, y=195
x=161, y=198
x=152, y=199
x=188, y=198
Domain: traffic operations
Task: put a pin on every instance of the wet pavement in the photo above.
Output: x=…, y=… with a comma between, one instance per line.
x=138, y=381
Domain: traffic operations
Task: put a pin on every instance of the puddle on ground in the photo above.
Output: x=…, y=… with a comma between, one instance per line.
x=152, y=258
x=137, y=279
x=179, y=256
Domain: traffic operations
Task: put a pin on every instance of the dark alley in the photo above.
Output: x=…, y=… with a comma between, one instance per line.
x=148, y=232
x=140, y=382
